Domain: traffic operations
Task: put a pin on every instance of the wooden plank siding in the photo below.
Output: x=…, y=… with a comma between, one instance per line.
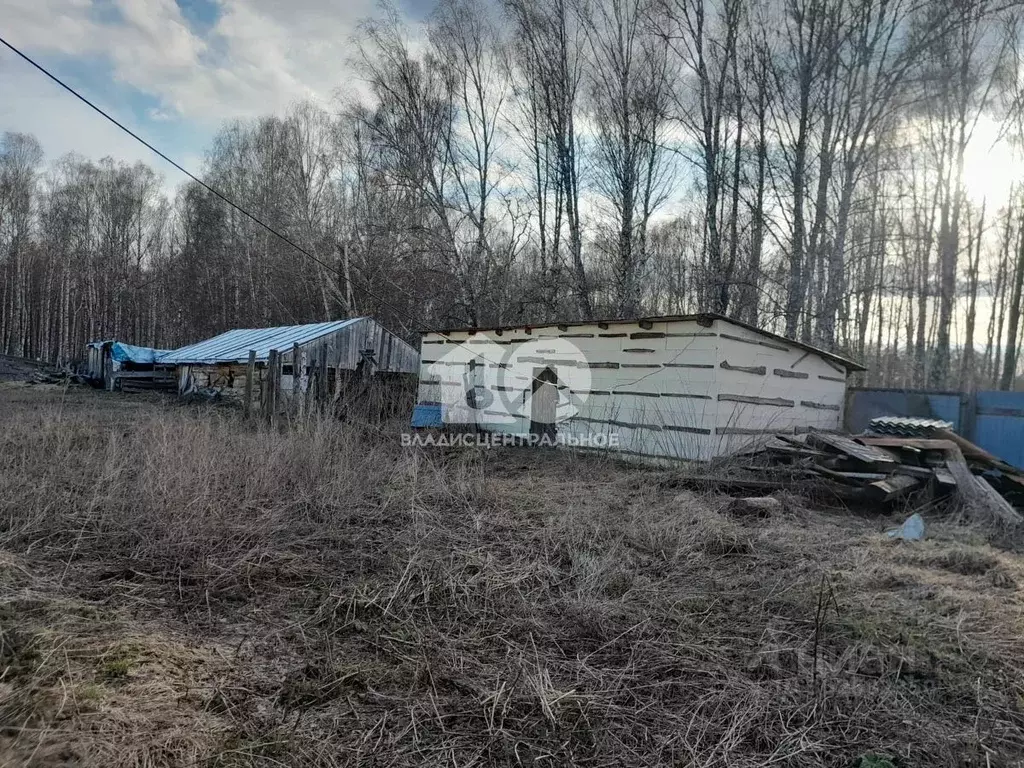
x=333, y=353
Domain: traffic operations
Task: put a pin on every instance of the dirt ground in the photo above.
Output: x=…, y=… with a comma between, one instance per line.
x=178, y=588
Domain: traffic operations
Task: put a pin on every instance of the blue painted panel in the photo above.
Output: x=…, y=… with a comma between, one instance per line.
x=427, y=416
x=999, y=425
x=866, y=404
x=996, y=424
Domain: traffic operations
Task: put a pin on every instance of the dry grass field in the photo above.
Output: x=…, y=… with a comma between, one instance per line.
x=178, y=588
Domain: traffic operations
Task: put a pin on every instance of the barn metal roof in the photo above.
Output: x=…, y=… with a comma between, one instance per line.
x=708, y=317
x=234, y=346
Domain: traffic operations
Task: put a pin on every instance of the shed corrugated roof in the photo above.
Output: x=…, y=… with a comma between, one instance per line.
x=233, y=346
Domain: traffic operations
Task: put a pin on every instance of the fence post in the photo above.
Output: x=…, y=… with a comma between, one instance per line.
x=969, y=415
x=273, y=383
x=250, y=374
x=296, y=402
x=318, y=382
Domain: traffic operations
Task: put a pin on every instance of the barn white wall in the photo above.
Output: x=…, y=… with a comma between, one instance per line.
x=663, y=390
x=798, y=390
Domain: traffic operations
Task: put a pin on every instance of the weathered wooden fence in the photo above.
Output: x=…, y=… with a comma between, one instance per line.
x=280, y=389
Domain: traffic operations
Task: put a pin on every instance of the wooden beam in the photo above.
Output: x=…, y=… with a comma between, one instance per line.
x=866, y=453
x=779, y=401
x=850, y=478
x=250, y=374
x=922, y=473
x=981, y=501
x=973, y=452
x=272, y=384
x=919, y=443
x=303, y=380
x=757, y=370
x=819, y=406
x=788, y=374
x=1000, y=510
x=893, y=487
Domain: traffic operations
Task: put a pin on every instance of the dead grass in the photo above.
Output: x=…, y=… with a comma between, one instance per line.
x=180, y=589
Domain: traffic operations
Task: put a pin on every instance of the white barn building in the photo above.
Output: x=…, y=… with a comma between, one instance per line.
x=677, y=387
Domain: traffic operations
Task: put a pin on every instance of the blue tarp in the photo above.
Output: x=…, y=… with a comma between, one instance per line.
x=129, y=353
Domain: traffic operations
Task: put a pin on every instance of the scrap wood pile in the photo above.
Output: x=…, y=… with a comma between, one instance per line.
x=24, y=369
x=910, y=462
x=54, y=376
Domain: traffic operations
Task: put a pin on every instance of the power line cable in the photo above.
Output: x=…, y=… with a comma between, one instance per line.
x=212, y=190
x=227, y=200
x=156, y=151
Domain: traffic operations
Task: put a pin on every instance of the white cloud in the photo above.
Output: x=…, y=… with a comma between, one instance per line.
x=256, y=57
x=30, y=103
x=58, y=26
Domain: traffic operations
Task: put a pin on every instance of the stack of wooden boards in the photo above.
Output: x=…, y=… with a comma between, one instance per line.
x=884, y=469
x=145, y=381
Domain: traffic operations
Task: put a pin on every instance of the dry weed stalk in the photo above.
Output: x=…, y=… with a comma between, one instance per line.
x=354, y=603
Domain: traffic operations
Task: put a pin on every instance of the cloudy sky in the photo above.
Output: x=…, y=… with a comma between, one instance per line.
x=173, y=70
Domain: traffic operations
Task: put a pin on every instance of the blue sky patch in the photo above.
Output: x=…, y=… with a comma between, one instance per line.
x=94, y=79
x=201, y=15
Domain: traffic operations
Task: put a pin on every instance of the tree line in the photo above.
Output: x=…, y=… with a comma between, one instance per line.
x=801, y=165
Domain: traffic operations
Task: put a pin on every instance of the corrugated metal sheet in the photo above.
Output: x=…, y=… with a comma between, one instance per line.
x=907, y=426
x=234, y=346
x=338, y=344
x=344, y=349
x=864, y=405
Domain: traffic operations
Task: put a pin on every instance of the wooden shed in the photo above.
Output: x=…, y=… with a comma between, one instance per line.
x=678, y=387
x=329, y=354
x=117, y=365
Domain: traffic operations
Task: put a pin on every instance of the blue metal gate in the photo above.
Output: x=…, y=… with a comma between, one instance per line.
x=863, y=405
x=992, y=420
x=999, y=425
